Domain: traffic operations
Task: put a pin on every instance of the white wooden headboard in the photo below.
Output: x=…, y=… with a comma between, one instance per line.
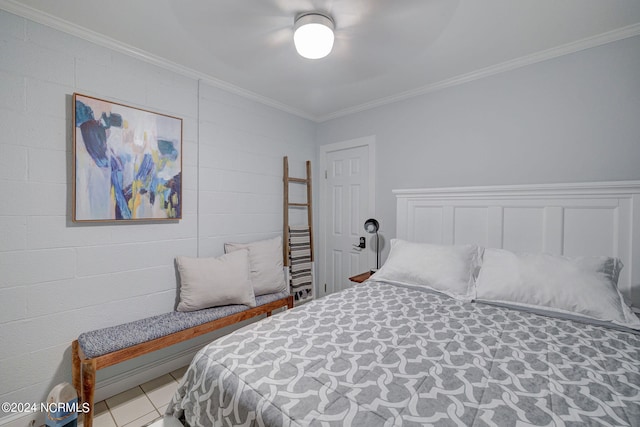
x=599, y=218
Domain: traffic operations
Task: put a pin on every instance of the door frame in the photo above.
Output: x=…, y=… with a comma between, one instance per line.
x=370, y=143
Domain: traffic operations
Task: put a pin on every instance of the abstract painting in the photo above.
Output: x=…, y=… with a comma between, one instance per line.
x=127, y=162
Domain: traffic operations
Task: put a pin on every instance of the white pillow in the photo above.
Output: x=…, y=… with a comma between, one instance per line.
x=447, y=269
x=584, y=286
x=265, y=263
x=212, y=282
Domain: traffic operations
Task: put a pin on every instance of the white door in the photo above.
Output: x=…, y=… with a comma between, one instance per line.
x=347, y=203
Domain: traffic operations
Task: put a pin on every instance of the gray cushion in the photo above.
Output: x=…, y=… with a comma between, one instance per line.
x=265, y=261
x=107, y=340
x=215, y=282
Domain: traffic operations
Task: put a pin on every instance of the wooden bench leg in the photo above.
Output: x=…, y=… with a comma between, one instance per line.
x=88, y=388
x=76, y=369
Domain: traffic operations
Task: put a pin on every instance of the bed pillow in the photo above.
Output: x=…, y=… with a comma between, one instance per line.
x=213, y=282
x=447, y=269
x=582, y=286
x=265, y=264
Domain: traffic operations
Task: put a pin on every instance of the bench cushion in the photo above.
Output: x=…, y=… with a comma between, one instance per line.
x=107, y=340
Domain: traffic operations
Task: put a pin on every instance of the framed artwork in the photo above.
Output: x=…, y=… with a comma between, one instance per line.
x=127, y=162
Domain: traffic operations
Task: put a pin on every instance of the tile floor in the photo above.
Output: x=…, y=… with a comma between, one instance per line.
x=138, y=406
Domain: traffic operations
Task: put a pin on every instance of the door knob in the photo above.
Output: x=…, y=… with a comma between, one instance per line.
x=362, y=244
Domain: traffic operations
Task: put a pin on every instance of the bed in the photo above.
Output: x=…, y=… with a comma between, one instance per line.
x=393, y=351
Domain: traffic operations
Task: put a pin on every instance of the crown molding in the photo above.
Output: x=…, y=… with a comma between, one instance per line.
x=587, y=43
x=22, y=10
x=56, y=23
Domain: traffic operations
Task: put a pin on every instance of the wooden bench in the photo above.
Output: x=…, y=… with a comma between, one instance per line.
x=109, y=346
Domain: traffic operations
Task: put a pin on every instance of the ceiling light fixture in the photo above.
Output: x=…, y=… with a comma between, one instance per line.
x=313, y=35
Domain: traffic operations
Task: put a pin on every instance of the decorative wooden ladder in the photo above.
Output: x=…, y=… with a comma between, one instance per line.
x=286, y=246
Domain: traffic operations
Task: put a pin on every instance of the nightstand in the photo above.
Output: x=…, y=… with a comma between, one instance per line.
x=360, y=277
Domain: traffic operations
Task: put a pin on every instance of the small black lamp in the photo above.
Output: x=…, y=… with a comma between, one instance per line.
x=372, y=226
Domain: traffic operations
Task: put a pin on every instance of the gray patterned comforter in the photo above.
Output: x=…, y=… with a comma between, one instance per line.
x=382, y=355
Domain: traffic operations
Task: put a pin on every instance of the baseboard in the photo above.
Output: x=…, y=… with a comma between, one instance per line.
x=22, y=420
x=134, y=377
x=116, y=384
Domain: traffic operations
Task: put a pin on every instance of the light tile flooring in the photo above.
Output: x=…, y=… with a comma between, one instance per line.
x=140, y=405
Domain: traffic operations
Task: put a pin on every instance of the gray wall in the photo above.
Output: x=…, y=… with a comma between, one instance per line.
x=575, y=118
x=57, y=278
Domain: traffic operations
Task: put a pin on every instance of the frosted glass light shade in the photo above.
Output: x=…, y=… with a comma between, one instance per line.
x=313, y=35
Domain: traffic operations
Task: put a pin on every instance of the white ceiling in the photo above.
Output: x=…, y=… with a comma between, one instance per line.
x=384, y=50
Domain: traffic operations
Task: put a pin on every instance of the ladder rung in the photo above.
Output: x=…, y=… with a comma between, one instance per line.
x=308, y=206
x=300, y=180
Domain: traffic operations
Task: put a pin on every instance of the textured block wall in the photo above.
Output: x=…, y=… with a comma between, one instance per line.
x=57, y=278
